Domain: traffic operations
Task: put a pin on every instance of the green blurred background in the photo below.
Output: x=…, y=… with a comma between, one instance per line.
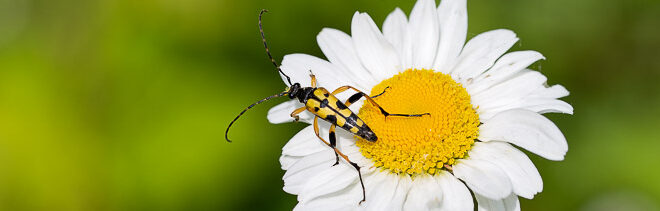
x=122, y=105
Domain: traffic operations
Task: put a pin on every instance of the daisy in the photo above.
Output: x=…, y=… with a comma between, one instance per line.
x=482, y=102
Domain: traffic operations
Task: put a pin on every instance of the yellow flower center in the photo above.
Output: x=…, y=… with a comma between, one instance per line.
x=416, y=145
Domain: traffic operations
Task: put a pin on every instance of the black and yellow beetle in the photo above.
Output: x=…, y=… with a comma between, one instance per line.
x=323, y=104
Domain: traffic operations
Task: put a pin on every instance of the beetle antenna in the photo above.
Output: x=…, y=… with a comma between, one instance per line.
x=248, y=108
x=263, y=39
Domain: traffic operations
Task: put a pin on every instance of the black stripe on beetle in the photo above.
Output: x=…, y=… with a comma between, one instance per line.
x=324, y=103
x=331, y=118
x=355, y=98
x=333, y=139
x=341, y=106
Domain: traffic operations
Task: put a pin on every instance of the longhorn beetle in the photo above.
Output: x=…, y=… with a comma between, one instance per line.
x=326, y=106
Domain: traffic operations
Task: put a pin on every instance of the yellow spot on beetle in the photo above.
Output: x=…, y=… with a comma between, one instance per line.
x=354, y=130
x=340, y=121
x=416, y=145
x=345, y=112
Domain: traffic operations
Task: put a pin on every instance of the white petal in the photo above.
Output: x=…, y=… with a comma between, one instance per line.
x=480, y=53
x=543, y=100
x=395, y=30
x=452, y=16
x=483, y=177
x=329, y=181
x=423, y=34
x=509, y=94
x=555, y=91
x=307, y=167
x=528, y=130
x=375, y=52
x=517, y=87
x=512, y=203
x=380, y=190
x=338, y=48
x=353, y=153
x=347, y=198
x=287, y=161
x=455, y=196
x=425, y=194
x=282, y=113
x=509, y=203
x=402, y=189
x=304, y=143
x=333, y=204
x=486, y=204
x=527, y=89
x=505, y=67
x=545, y=105
x=522, y=173
x=298, y=67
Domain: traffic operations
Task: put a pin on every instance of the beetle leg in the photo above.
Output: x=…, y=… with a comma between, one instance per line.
x=344, y=88
x=332, y=138
x=316, y=130
x=360, y=94
x=333, y=141
x=378, y=95
x=313, y=78
x=339, y=153
x=295, y=113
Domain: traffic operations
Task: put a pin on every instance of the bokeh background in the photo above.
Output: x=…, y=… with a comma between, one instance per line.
x=122, y=104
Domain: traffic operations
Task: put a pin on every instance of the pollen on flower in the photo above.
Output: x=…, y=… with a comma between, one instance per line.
x=416, y=145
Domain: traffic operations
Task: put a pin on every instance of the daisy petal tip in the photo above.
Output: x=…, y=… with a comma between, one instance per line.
x=276, y=114
x=398, y=10
x=289, y=190
x=457, y=6
x=323, y=31
x=499, y=34
x=506, y=32
x=568, y=108
x=526, y=129
x=424, y=4
x=559, y=157
x=533, y=54
x=529, y=196
x=563, y=92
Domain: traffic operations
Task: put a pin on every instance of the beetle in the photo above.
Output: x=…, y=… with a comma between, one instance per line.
x=323, y=104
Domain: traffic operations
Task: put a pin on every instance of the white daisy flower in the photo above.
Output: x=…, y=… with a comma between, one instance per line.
x=481, y=100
